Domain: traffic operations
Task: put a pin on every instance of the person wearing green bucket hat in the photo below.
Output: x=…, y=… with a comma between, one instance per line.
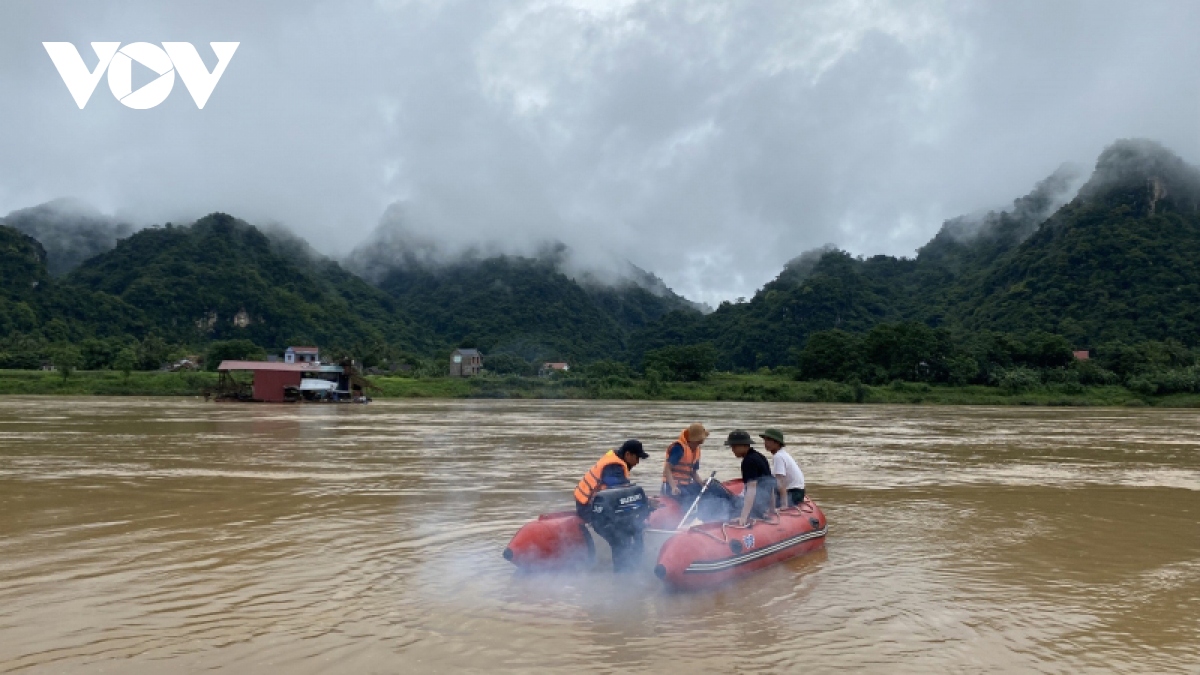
x=789, y=479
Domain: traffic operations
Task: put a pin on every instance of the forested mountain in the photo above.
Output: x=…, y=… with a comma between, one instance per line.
x=221, y=278
x=1113, y=261
x=544, y=305
x=33, y=305
x=69, y=231
x=527, y=306
x=1120, y=262
x=1116, y=262
x=22, y=265
x=23, y=278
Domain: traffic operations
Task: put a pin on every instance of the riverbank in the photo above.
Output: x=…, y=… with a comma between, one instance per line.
x=719, y=387
x=105, y=383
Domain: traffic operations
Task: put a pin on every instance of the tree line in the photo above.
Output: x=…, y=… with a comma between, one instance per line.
x=914, y=352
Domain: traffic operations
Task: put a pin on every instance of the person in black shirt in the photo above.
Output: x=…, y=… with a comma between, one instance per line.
x=758, y=497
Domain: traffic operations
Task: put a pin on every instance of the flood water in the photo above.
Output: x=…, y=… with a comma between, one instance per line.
x=141, y=535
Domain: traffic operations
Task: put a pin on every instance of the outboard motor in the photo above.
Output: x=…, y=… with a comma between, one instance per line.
x=622, y=509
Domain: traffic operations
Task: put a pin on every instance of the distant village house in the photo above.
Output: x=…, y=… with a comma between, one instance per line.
x=1082, y=354
x=549, y=369
x=302, y=355
x=465, y=362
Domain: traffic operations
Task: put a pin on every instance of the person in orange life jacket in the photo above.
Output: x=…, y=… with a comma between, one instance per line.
x=681, y=478
x=788, y=476
x=758, y=498
x=612, y=470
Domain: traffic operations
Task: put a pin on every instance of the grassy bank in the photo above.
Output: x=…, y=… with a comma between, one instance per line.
x=105, y=383
x=754, y=387
x=720, y=387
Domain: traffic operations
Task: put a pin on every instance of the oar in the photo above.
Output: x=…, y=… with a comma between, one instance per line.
x=697, y=502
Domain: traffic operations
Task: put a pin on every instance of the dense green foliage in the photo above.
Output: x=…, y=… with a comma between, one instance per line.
x=222, y=279
x=166, y=292
x=526, y=307
x=70, y=232
x=1115, y=263
x=687, y=363
x=997, y=300
x=232, y=350
x=36, y=310
x=913, y=352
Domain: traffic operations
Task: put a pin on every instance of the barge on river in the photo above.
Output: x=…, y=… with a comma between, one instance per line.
x=290, y=382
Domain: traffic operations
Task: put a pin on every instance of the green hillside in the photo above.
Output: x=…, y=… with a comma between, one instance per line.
x=526, y=307
x=69, y=231
x=37, y=311
x=1109, y=267
x=22, y=272
x=1115, y=263
x=221, y=279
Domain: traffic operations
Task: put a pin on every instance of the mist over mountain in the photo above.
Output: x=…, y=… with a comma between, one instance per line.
x=221, y=278
x=394, y=244
x=986, y=235
x=1115, y=262
x=1142, y=173
x=71, y=231
x=530, y=306
x=24, y=267
x=538, y=302
x=34, y=305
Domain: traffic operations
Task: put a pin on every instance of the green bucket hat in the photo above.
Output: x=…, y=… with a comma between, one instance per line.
x=773, y=434
x=739, y=437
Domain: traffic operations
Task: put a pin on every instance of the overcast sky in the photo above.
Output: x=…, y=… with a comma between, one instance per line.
x=706, y=142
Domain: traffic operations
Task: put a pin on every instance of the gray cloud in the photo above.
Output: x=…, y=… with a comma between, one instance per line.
x=707, y=142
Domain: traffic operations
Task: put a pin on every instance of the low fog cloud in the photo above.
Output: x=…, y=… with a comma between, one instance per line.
x=706, y=142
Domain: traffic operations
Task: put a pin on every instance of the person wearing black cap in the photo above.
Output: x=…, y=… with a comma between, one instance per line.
x=758, y=496
x=612, y=471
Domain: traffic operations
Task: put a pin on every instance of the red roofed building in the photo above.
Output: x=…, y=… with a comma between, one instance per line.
x=271, y=380
x=1082, y=354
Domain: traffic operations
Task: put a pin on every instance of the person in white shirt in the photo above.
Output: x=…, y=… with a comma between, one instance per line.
x=789, y=479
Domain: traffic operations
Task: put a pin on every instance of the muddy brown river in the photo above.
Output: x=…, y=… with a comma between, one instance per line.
x=151, y=536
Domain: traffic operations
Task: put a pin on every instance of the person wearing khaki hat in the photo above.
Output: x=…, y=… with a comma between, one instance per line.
x=788, y=476
x=681, y=470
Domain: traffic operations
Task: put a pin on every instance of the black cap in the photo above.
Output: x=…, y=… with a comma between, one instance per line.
x=739, y=437
x=635, y=446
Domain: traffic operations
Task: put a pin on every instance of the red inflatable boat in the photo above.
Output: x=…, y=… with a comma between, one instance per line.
x=702, y=556
x=711, y=554
x=561, y=540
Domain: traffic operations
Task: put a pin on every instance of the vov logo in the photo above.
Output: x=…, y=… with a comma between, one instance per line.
x=172, y=57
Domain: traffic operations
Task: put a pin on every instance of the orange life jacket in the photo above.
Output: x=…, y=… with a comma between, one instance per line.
x=591, y=483
x=689, y=462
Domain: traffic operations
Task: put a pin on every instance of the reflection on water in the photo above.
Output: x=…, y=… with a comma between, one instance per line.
x=154, y=535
